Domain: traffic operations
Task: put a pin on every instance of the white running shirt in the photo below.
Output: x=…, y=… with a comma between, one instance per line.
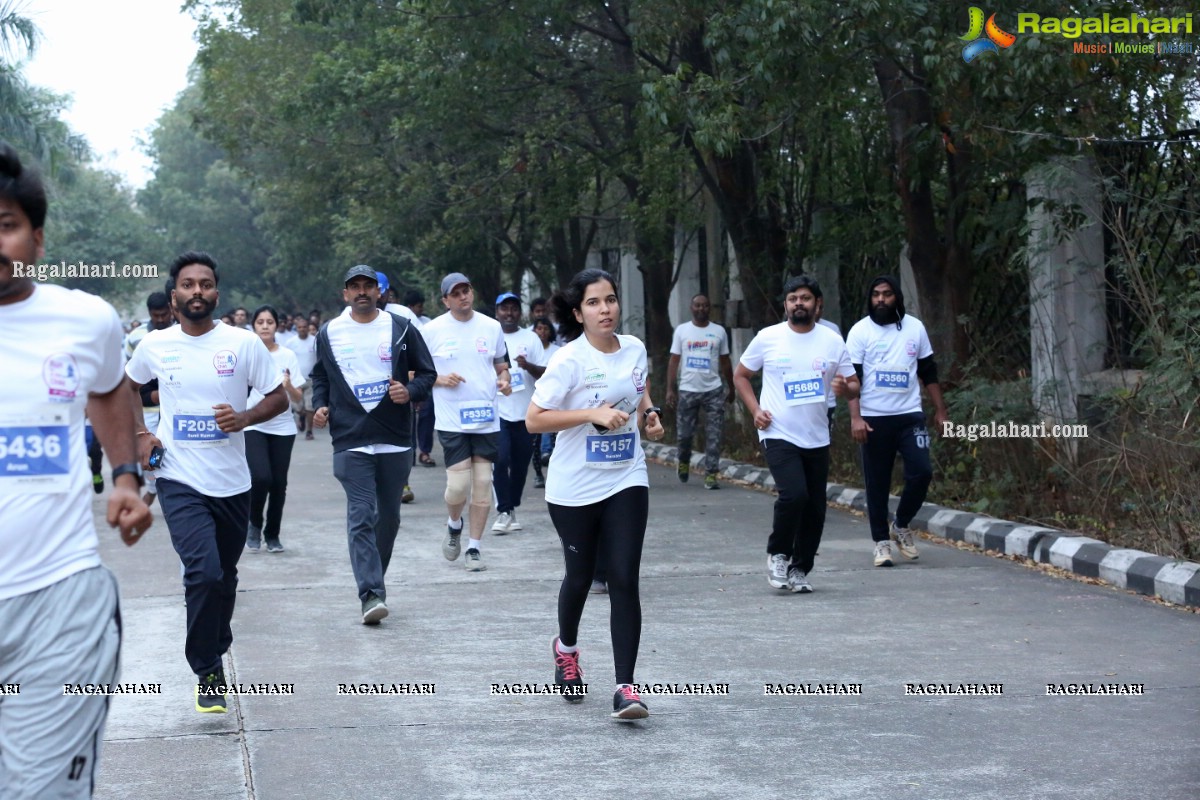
x=699, y=350
x=798, y=369
x=470, y=349
x=521, y=342
x=284, y=424
x=194, y=374
x=588, y=466
x=60, y=345
x=889, y=359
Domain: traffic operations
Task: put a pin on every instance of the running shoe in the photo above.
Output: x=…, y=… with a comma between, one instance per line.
x=883, y=553
x=684, y=469
x=503, y=523
x=451, y=548
x=274, y=546
x=473, y=560
x=777, y=570
x=373, y=610
x=568, y=674
x=253, y=538
x=903, y=537
x=627, y=705
x=513, y=525
x=98, y=484
x=408, y=495
x=798, y=581
x=539, y=482
x=599, y=587
x=710, y=481
x=210, y=693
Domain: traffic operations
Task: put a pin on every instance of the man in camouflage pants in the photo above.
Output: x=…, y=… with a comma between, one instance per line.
x=700, y=363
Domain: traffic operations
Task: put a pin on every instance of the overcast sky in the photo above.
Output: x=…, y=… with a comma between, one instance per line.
x=122, y=61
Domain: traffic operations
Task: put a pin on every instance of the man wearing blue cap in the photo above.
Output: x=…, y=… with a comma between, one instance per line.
x=515, y=448
x=472, y=367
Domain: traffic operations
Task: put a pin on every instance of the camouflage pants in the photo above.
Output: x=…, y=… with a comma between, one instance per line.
x=690, y=405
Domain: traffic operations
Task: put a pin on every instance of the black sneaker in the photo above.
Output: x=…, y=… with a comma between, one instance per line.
x=568, y=674
x=684, y=469
x=210, y=693
x=274, y=546
x=627, y=705
x=253, y=538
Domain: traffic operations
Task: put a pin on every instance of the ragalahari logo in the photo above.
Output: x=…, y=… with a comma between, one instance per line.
x=996, y=38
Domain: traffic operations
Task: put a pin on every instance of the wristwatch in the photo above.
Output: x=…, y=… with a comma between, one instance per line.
x=651, y=410
x=132, y=468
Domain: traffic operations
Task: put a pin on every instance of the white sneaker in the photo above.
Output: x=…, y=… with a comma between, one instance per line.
x=503, y=523
x=883, y=553
x=798, y=581
x=513, y=525
x=903, y=537
x=777, y=570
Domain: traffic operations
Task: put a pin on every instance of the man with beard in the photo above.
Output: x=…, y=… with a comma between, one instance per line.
x=803, y=363
x=699, y=347
x=891, y=352
x=205, y=372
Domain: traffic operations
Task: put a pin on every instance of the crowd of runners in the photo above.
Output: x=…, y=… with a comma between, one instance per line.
x=203, y=412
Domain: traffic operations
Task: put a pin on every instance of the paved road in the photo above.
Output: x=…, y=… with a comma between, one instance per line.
x=953, y=617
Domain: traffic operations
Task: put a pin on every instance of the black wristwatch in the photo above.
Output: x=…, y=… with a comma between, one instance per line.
x=651, y=410
x=132, y=468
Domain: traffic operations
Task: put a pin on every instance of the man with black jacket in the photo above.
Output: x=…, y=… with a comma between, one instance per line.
x=362, y=389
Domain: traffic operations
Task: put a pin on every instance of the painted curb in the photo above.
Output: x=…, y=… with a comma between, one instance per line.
x=1145, y=573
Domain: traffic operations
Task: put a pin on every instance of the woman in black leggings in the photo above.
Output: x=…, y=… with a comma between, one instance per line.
x=596, y=395
x=269, y=444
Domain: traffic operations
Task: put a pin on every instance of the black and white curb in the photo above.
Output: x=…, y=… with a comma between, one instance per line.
x=1157, y=576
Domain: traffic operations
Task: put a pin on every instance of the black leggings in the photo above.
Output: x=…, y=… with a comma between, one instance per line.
x=269, y=456
x=610, y=531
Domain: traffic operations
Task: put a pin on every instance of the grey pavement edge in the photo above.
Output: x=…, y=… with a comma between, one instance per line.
x=1170, y=579
x=1048, y=650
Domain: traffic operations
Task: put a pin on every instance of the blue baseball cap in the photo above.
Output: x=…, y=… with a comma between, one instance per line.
x=383, y=281
x=508, y=296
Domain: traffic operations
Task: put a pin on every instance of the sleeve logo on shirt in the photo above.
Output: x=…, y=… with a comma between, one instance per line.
x=385, y=352
x=481, y=345
x=61, y=374
x=639, y=379
x=819, y=364
x=225, y=361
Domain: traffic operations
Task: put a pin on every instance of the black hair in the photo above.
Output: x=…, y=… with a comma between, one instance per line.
x=537, y=300
x=194, y=257
x=157, y=302
x=22, y=185
x=413, y=297
x=269, y=309
x=569, y=299
x=892, y=281
x=543, y=321
x=802, y=282
x=168, y=287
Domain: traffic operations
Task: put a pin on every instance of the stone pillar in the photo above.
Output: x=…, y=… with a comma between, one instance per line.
x=1066, y=284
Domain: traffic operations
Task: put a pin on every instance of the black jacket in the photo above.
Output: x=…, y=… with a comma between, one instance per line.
x=388, y=423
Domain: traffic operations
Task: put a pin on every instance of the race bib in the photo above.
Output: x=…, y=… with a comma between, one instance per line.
x=518, y=380
x=609, y=451
x=703, y=363
x=477, y=414
x=892, y=380
x=196, y=429
x=370, y=392
x=35, y=451
x=803, y=388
